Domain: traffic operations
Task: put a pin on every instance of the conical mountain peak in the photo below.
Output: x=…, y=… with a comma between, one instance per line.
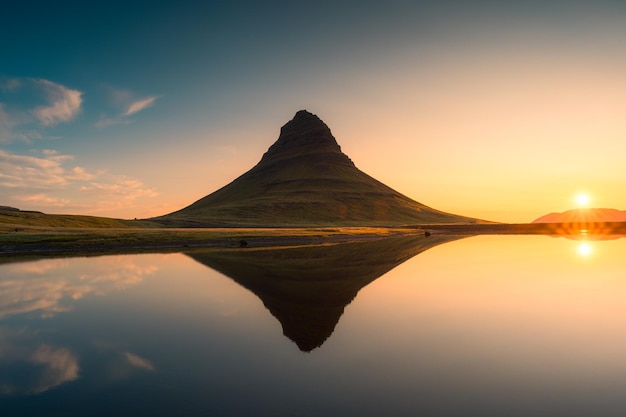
x=305, y=180
x=306, y=135
x=307, y=124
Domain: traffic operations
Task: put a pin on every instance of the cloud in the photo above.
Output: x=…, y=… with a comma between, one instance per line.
x=52, y=180
x=123, y=186
x=127, y=102
x=138, y=362
x=64, y=103
x=25, y=171
x=35, y=103
x=140, y=105
x=42, y=200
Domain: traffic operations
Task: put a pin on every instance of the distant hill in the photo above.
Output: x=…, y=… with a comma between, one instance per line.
x=305, y=180
x=11, y=217
x=584, y=215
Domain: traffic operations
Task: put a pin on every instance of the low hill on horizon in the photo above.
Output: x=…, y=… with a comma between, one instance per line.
x=584, y=215
x=14, y=217
x=304, y=179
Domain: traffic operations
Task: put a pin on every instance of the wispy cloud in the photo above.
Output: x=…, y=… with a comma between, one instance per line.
x=43, y=104
x=128, y=103
x=138, y=362
x=140, y=105
x=41, y=199
x=64, y=103
x=51, y=180
x=32, y=172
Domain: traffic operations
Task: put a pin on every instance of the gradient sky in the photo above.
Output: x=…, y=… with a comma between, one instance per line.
x=497, y=110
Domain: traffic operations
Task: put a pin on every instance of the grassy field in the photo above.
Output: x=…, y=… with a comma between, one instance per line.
x=38, y=233
x=33, y=232
x=11, y=219
x=34, y=239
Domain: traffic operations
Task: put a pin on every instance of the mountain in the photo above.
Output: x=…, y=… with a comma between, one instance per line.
x=304, y=179
x=307, y=288
x=584, y=215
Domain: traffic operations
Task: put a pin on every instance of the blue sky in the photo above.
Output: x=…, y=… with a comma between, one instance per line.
x=499, y=110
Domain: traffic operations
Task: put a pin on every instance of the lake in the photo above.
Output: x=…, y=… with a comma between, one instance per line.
x=434, y=326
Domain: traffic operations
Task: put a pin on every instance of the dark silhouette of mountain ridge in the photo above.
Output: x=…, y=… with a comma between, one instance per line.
x=304, y=179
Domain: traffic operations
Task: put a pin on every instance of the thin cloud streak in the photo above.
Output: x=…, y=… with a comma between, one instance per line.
x=140, y=105
x=138, y=362
x=128, y=103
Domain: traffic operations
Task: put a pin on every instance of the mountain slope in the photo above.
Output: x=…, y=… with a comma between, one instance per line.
x=305, y=180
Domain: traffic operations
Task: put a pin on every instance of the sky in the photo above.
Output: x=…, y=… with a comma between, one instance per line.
x=503, y=111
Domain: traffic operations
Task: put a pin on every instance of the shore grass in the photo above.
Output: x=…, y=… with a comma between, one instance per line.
x=38, y=233
x=34, y=239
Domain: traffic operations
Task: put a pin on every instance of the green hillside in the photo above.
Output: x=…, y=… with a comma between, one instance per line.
x=11, y=217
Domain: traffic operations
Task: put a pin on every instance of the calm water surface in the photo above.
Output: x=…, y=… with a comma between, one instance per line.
x=490, y=325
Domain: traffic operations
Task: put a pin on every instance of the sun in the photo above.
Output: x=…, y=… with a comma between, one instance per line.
x=584, y=249
x=582, y=199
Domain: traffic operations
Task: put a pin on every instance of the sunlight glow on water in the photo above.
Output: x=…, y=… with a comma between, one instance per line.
x=490, y=325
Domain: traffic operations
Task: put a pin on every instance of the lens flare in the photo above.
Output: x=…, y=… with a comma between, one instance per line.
x=584, y=249
x=582, y=199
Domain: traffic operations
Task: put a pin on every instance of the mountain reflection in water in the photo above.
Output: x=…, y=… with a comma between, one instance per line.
x=307, y=288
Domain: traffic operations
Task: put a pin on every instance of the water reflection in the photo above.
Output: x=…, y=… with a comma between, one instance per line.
x=47, y=286
x=489, y=326
x=31, y=362
x=41, y=366
x=307, y=288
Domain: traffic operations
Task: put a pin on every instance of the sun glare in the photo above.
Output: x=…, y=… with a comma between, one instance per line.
x=584, y=249
x=582, y=199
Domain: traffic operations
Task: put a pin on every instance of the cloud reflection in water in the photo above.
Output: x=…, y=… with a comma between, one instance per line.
x=46, y=286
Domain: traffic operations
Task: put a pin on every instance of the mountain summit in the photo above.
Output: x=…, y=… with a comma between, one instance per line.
x=304, y=179
x=305, y=136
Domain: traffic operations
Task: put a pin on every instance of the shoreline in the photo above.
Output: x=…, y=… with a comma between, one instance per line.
x=19, y=240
